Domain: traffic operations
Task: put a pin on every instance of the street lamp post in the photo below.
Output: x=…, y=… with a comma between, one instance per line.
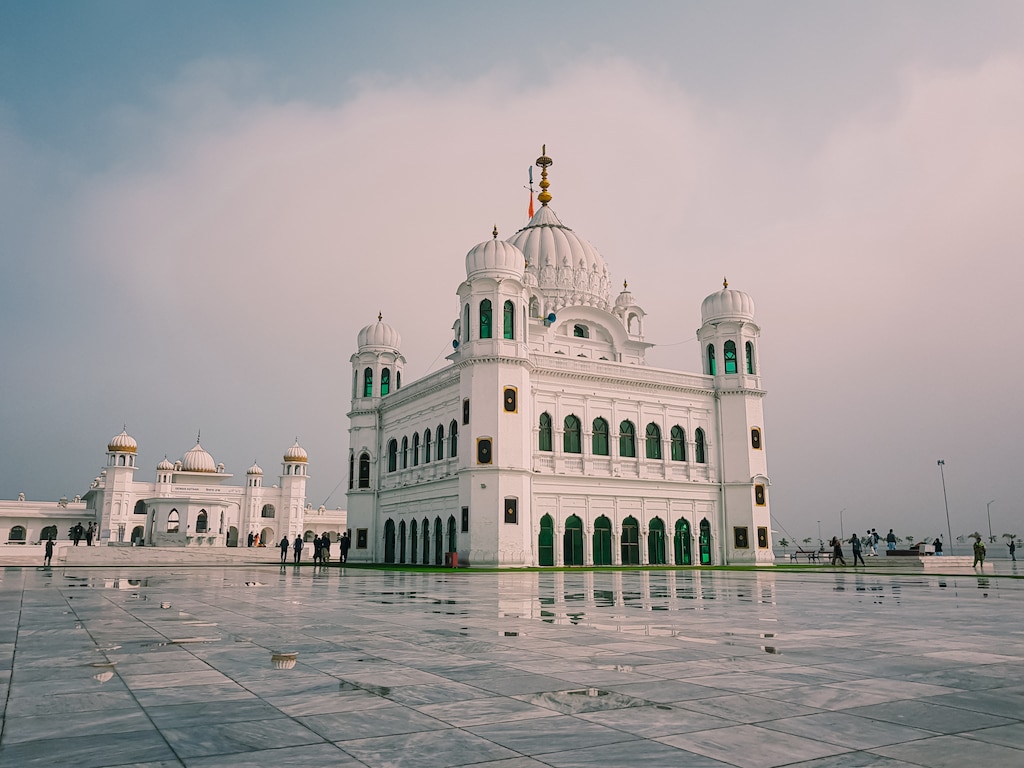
x=945, y=500
x=820, y=542
x=842, y=533
x=988, y=513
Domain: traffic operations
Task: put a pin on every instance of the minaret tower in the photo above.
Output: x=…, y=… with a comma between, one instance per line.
x=117, y=507
x=294, y=473
x=729, y=348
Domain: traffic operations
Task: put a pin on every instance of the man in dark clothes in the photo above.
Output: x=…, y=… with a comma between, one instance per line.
x=284, y=549
x=297, y=548
x=76, y=533
x=344, y=545
x=49, y=552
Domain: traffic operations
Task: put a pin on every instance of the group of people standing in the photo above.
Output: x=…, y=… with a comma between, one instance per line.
x=321, y=548
x=871, y=539
x=77, y=533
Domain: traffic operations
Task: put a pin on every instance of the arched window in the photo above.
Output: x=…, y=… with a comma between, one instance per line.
x=49, y=532
x=405, y=452
x=18, y=533
x=581, y=332
x=440, y=442
x=351, y=471
x=571, y=437
x=653, y=441
x=140, y=507
x=368, y=382
x=414, y=532
x=385, y=381
x=268, y=511
x=202, y=521
x=534, y=307
x=485, y=319
x=544, y=436
x=364, y=470
x=465, y=325
x=453, y=439
x=678, y=443
x=730, y=356
x=392, y=455
x=627, y=440
x=755, y=439
x=415, y=449
x=750, y=357
x=705, y=542
x=698, y=447
x=600, y=439
x=508, y=320
x=398, y=380
x=173, y=521
x=426, y=446
x=711, y=359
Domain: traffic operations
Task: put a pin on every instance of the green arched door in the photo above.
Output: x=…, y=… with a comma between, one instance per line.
x=389, y=541
x=656, y=542
x=572, y=542
x=630, y=543
x=682, y=543
x=546, y=542
x=705, y=542
x=602, y=541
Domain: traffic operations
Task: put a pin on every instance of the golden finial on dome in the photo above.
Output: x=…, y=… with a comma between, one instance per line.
x=544, y=162
x=495, y=232
x=725, y=283
x=199, y=433
x=380, y=316
x=625, y=285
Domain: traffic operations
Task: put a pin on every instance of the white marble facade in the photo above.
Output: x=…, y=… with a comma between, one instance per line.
x=547, y=439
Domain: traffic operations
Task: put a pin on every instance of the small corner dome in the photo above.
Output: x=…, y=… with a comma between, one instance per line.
x=379, y=335
x=123, y=443
x=255, y=469
x=625, y=298
x=727, y=304
x=495, y=258
x=165, y=465
x=198, y=460
x=296, y=453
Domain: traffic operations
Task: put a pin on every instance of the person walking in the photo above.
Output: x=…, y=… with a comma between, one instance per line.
x=855, y=543
x=837, y=551
x=90, y=532
x=872, y=544
x=284, y=549
x=49, y=552
x=890, y=541
x=979, y=554
x=297, y=549
x=1013, y=550
x=343, y=547
x=316, y=548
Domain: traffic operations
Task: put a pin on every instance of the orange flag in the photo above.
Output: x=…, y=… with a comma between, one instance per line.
x=531, y=203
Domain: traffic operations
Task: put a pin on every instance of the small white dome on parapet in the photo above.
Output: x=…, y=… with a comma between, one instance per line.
x=727, y=304
x=379, y=335
x=625, y=298
x=495, y=258
x=255, y=469
x=296, y=453
x=123, y=443
x=165, y=465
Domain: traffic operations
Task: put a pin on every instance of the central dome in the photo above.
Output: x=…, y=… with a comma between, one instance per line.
x=569, y=270
x=198, y=460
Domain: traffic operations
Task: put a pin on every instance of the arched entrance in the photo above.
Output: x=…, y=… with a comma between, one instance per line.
x=453, y=537
x=426, y=541
x=705, y=542
x=389, y=541
x=546, y=542
x=630, y=542
x=401, y=542
x=232, y=536
x=414, y=540
x=138, y=535
x=267, y=537
x=438, y=541
x=572, y=542
x=682, y=543
x=656, y=542
x=602, y=541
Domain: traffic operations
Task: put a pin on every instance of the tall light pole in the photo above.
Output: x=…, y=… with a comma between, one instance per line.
x=988, y=513
x=842, y=534
x=945, y=500
x=820, y=542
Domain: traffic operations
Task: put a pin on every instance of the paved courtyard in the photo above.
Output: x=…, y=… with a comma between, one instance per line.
x=176, y=667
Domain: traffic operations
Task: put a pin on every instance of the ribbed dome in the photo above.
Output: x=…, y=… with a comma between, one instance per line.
x=295, y=453
x=727, y=304
x=165, y=465
x=255, y=469
x=625, y=298
x=198, y=460
x=123, y=443
x=568, y=269
x=495, y=258
x=379, y=335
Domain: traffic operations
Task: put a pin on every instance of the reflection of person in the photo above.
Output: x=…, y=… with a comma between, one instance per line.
x=979, y=553
x=1013, y=549
x=855, y=543
x=284, y=549
x=49, y=552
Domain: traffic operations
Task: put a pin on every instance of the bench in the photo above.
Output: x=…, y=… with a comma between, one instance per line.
x=813, y=556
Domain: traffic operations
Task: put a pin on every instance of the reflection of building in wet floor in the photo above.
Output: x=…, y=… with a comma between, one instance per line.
x=548, y=440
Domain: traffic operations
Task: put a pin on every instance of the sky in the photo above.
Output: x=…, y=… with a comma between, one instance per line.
x=201, y=203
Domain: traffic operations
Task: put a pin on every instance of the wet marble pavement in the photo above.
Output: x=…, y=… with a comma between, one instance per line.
x=165, y=667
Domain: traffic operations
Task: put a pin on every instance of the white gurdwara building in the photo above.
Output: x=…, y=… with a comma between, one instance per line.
x=548, y=440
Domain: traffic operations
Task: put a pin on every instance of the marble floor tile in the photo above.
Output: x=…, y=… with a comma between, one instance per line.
x=240, y=736
x=749, y=746
x=953, y=752
x=932, y=717
x=362, y=724
x=433, y=749
x=1006, y=735
x=649, y=754
x=73, y=725
x=847, y=730
x=549, y=734
x=655, y=720
x=304, y=755
x=92, y=751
